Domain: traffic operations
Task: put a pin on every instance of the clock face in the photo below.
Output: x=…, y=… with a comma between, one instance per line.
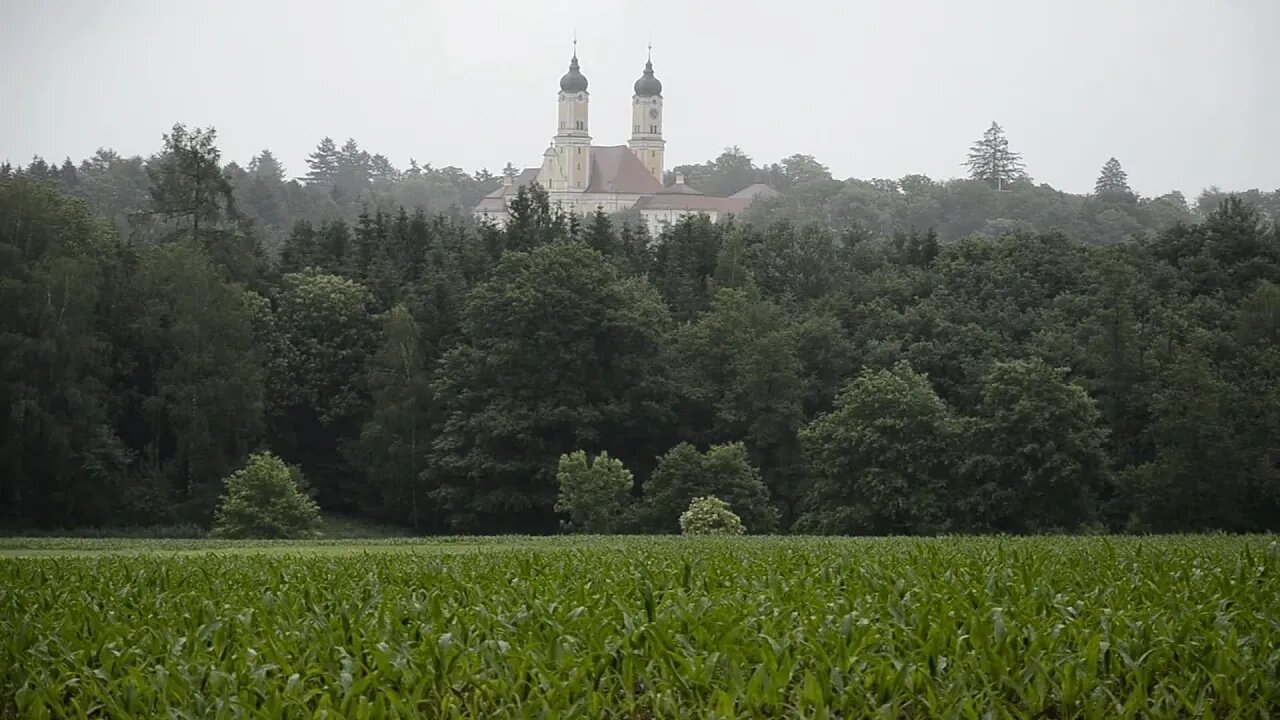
x=653, y=113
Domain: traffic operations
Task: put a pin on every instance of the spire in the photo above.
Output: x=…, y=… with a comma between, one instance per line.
x=648, y=85
x=573, y=81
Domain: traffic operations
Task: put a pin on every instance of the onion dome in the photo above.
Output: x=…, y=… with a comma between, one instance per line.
x=648, y=85
x=573, y=81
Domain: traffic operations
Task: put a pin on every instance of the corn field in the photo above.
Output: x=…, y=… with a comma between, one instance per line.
x=1174, y=627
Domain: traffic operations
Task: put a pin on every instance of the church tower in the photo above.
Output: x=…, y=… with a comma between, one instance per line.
x=646, y=121
x=572, y=142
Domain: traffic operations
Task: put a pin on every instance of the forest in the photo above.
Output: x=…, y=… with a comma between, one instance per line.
x=911, y=356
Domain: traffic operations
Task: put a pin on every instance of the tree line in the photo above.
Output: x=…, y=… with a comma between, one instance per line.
x=997, y=197
x=342, y=180
x=422, y=369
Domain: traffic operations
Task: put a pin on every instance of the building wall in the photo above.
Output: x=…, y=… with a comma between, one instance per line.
x=574, y=118
x=573, y=140
x=581, y=204
x=659, y=220
x=646, y=133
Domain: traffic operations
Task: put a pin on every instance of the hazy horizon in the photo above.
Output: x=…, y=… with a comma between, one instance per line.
x=1185, y=93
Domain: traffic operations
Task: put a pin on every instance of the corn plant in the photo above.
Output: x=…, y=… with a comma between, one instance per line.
x=650, y=628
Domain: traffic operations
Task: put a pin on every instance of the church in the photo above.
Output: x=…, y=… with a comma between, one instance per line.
x=581, y=177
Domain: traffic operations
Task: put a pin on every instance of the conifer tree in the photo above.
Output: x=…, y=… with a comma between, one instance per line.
x=380, y=168
x=264, y=197
x=355, y=168
x=531, y=220
x=991, y=160
x=187, y=182
x=599, y=234
x=265, y=165
x=67, y=174
x=190, y=189
x=635, y=250
x=323, y=163
x=1113, y=180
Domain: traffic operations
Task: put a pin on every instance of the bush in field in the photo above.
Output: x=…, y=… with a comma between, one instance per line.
x=724, y=471
x=264, y=500
x=592, y=494
x=710, y=516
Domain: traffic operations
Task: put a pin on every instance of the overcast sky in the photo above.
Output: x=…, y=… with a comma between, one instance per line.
x=1186, y=93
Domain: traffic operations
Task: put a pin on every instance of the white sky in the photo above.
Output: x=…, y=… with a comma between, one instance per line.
x=1186, y=93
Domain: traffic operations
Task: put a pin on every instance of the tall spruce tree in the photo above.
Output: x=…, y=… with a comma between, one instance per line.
x=323, y=163
x=355, y=169
x=187, y=182
x=991, y=160
x=191, y=191
x=1113, y=180
x=265, y=199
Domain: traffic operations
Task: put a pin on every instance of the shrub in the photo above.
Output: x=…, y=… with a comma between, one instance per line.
x=263, y=500
x=710, y=516
x=593, y=495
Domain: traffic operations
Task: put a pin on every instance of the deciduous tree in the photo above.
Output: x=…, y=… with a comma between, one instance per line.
x=879, y=462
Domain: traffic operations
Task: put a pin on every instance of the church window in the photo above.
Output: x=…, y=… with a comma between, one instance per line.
x=636, y=130
x=579, y=124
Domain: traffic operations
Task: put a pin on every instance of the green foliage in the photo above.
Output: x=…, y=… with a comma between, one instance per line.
x=190, y=189
x=559, y=352
x=739, y=379
x=319, y=342
x=730, y=172
x=1036, y=458
x=594, y=494
x=1091, y=628
x=724, y=471
x=1201, y=474
x=263, y=500
x=686, y=256
x=710, y=516
x=429, y=371
x=396, y=440
x=59, y=450
x=879, y=461
x=198, y=396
